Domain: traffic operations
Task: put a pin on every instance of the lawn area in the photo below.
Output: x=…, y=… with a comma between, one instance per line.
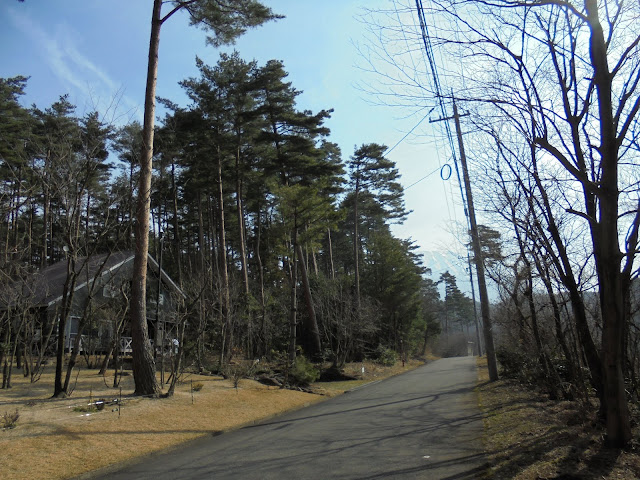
x=529, y=437
x=56, y=439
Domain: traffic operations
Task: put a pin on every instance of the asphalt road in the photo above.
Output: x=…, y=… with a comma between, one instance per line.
x=423, y=424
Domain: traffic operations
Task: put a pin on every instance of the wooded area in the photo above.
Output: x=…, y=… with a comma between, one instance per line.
x=282, y=247
x=550, y=90
x=252, y=188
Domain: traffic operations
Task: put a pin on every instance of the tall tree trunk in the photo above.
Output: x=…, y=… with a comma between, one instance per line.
x=557, y=318
x=67, y=300
x=227, y=331
x=88, y=213
x=243, y=255
x=176, y=227
x=143, y=362
x=46, y=212
x=607, y=257
x=201, y=241
x=551, y=375
x=293, y=314
x=241, y=227
x=212, y=235
x=7, y=248
x=130, y=222
x=202, y=319
x=263, y=303
x=563, y=266
x=314, y=257
x=333, y=270
x=356, y=248
x=605, y=237
x=15, y=212
x=5, y=356
x=32, y=215
x=312, y=326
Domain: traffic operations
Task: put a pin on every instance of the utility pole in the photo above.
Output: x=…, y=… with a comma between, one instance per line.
x=475, y=308
x=477, y=253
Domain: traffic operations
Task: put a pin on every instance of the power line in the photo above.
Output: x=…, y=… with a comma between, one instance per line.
x=439, y=169
x=409, y=132
x=426, y=40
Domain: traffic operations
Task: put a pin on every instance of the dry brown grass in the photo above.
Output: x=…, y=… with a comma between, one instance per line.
x=529, y=437
x=52, y=441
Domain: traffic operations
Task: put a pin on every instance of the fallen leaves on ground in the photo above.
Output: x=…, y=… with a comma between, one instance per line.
x=529, y=437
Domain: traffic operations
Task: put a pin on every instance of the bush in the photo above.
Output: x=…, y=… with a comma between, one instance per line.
x=385, y=356
x=87, y=408
x=303, y=372
x=511, y=362
x=518, y=365
x=238, y=371
x=9, y=419
x=196, y=387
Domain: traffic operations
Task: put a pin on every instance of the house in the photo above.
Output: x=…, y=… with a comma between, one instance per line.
x=101, y=295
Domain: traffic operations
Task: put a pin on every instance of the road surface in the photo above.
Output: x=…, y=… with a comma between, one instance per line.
x=422, y=424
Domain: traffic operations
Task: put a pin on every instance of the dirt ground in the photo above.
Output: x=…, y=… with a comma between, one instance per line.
x=55, y=439
x=529, y=437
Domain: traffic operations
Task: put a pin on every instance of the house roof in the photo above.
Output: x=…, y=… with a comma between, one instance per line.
x=47, y=285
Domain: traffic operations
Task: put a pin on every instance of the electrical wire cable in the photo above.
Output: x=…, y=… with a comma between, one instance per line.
x=423, y=178
x=428, y=48
x=389, y=150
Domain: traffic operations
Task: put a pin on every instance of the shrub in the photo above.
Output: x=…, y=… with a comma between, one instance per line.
x=196, y=387
x=511, y=362
x=9, y=419
x=238, y=371
x=518, y=365
x=385, y=356
x=85, y=409
x=303, y=372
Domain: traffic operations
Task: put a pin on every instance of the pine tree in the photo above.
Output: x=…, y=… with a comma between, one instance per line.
x=15, y=126
x=225, y=19
x=127, y=144
x=372, y=175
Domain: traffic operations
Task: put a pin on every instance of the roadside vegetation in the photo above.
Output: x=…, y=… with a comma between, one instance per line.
x=545, y=97
x=530, y=437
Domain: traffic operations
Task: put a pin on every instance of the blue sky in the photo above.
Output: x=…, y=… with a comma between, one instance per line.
x=96, y=51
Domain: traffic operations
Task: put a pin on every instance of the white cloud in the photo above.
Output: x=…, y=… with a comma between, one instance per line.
x=85, y=65
x=77, y=72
